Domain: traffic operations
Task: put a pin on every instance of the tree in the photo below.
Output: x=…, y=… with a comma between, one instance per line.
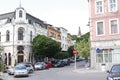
x=83, y=46
x=70, y=51
x=44, y=47
x=61, y=55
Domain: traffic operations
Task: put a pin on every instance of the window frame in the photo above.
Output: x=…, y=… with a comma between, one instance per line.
x=31, y=33
x=110, y=26
x=7, y=35
x=21, y=34
x=96, y=9
x=109, y=8
x=20, y=14
x=97, y=28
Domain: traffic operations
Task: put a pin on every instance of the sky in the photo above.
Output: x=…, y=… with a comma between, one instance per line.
x=69, y=14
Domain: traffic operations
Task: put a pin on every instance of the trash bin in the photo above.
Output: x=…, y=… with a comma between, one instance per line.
x=103, y=67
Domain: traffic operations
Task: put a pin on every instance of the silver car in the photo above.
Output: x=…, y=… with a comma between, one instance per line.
x=29, y=67
x=20, y=71
x=40, y=65
x=10, y=71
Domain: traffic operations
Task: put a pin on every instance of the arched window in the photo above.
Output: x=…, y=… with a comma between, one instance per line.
x=7, y=35
x=5, y=58
x=20, y=14
x=9, y=59
x=30, y=36
x=20, y=33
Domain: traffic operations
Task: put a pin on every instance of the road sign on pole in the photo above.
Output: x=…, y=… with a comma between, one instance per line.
x=75, y=52
x=98, y=50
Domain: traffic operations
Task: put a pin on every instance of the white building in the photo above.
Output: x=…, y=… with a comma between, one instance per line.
x=64, y=43
x=17, y=30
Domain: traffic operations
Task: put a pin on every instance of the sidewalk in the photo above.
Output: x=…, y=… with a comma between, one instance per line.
x=88, y=70
x=1, y=75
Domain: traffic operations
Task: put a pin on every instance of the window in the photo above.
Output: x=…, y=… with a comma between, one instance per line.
x=30, y=36
x=20, y=33
x=100, y=28
x=7, y=35
x=9, y=57
x=112, y=5
x=29, y=21
x=113, y=26
x=116, y=56
x=104, y=56
x=5, y=58
x=99, y=7
x=20, y=14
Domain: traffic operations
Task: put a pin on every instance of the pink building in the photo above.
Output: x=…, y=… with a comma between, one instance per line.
x=104, y=33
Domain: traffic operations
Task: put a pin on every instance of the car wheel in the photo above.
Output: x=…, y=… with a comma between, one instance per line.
x=31, y=71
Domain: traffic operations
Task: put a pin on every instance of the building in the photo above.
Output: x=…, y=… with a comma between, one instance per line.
x=54, y=33
x=79, y=32
x=104, y=33
x=69, y=40
x=17, y=30
x=64, y=43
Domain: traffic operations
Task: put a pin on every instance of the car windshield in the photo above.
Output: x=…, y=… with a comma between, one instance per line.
x=115, y=68
x=20, y=67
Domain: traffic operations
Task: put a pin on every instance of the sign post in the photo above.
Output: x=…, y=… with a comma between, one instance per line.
x=75, y=52
x=98, y=50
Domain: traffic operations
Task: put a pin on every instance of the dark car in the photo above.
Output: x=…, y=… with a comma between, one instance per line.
x=114, y=73
x=59, y=64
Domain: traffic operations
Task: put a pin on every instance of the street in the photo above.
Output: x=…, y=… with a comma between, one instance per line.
x=63, y=73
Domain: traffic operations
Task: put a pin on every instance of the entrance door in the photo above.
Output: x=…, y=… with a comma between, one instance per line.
x=20, y=58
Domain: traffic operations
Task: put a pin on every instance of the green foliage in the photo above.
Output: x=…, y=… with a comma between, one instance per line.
x=74, y=37
x=44, y=47
x=1, y=79
x=83, y=49
x=1, y=65
x=84, y=38
x=83, y=45
x=70, y=51
x=61, y=55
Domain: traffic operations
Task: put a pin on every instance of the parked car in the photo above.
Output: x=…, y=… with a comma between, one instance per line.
x=10, y=71
x=29, y=67
x=20, y=70
x=48, y=65
x=59, y=64
x=39, y=65
x=114, y=72
x=66, y=61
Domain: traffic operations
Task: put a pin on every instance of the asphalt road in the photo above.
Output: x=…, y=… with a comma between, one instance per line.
x=63, y=73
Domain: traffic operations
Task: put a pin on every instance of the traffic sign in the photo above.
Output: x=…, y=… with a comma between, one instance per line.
x=74, y=51
x=98, y=50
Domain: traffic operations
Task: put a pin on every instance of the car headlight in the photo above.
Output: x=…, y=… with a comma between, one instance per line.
x=110, y=78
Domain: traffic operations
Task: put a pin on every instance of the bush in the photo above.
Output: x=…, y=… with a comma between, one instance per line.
x=1, y=79
x=1, y=66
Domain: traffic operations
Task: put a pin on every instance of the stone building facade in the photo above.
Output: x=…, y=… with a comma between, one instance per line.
x=17, y=30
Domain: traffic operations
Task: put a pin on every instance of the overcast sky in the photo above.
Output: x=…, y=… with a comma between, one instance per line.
x=69, y=14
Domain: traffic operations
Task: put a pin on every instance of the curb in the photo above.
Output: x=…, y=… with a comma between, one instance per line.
x=87, y=70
